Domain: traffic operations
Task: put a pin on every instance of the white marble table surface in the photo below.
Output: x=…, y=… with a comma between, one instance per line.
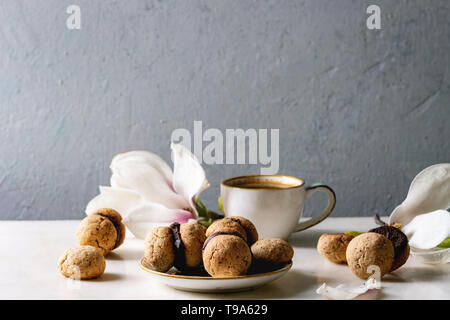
x=29, y=251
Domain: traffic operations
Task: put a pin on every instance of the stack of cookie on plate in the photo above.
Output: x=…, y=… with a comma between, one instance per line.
x=229, y=247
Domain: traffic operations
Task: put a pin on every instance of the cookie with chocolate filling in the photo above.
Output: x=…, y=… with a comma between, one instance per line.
x=368, y=253
x=400, y=242
x=271, y=253
x=189, y=250
x=178, y=245
x=231, y=226
x=226, y=255
x=159, y=249
x=249, y=227
x=102, y=229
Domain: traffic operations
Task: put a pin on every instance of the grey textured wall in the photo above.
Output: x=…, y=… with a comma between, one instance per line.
x=361, y=110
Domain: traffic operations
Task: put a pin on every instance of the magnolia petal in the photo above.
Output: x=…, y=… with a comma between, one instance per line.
x=141, y=220
x=146, y=157
x=189, y=178
x=426, y=231
x=148, y=181
x=432, y=256
x=121, y=200
x=429, y=191
x=343, y=292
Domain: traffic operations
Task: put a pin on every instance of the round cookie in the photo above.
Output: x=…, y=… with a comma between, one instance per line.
x=249, y=227
x=271, y=253
x=226, y=226
x=367, y=250
x=226, y=255
x=159, y=250
x=400, y=242
x=401, y=258
x=193, y=235
x=116, y=219
x=102, y=229
x=82, y=263
x=334, y=246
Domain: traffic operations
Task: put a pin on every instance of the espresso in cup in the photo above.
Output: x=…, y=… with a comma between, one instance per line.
x=274, y=203
x=265, y=185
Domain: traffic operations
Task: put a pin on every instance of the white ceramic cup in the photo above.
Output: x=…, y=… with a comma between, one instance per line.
x=274, y=203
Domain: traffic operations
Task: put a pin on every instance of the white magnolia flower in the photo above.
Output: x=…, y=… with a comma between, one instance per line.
x=424, y=216
x=429, y=191
x=147, y=193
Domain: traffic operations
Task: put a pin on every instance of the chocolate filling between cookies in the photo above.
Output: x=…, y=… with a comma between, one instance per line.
x=240, y=223
x=396, y=236
x=178, y=246
x=221, y=234
x=116, y=226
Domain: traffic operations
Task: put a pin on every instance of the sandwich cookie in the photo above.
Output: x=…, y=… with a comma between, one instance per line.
x=102, y=229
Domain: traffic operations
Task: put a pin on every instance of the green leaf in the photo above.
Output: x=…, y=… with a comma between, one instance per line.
x=201, y=209
x=353, y=233
x=206, y=216
x=444, y=244
x=205, y=223
x=219, y=204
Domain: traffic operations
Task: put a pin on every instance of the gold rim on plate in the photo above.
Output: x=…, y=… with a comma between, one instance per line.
x=143, y=266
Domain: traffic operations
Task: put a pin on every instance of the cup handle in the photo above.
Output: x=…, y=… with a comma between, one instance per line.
x=331, y=203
